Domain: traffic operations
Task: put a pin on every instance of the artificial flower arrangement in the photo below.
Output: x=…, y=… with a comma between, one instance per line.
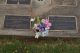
x=41, y=26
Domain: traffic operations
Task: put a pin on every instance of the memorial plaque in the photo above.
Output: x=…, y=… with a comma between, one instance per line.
x=65, y=2
x=62, y=23
x=17, y=22
x=12, y=1
x=24, y=1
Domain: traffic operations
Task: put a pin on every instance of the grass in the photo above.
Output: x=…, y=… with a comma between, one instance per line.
x=12, y=44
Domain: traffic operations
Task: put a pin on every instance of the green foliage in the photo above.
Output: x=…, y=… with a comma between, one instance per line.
x=39, y=46
x=37, y=19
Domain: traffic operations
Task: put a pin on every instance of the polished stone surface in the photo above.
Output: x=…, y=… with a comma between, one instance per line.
x=63, y=23
x=17, y=22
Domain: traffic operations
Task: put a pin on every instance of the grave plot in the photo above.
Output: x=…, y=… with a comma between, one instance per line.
x=65, y=2
x=63, y=23
x=17, y=22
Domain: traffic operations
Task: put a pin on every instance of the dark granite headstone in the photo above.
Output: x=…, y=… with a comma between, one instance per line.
x=17, y=22
x=24, y=1
x=12, y=1
x=62, y=23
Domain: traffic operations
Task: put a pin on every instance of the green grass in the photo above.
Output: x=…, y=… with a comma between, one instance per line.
x=12, y=44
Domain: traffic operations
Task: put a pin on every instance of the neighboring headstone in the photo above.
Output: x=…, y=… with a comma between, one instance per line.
x=24, y=1
x=20, y=1
x=62, y=23
x=12, y=1
x=65, y=2
x=17, y=22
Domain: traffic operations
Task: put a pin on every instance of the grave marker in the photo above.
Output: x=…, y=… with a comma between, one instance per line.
x=17, y=22
x=62, y=23
x=12, y=1
x=24, y=1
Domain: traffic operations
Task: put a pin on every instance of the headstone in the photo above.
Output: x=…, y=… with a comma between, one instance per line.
x=24, y=1
x=12, y=1
x=65, y=2
x=62, y=23
x=17, y=22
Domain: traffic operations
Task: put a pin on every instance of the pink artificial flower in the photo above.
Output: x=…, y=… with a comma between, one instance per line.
x=47, y=23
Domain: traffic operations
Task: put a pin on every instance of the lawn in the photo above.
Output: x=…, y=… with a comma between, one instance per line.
x=16, y=44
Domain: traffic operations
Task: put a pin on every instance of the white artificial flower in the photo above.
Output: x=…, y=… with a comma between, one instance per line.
x=32, y=19
x=43, y=20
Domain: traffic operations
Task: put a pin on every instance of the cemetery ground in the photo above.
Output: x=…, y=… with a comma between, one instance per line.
x=18, y=44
